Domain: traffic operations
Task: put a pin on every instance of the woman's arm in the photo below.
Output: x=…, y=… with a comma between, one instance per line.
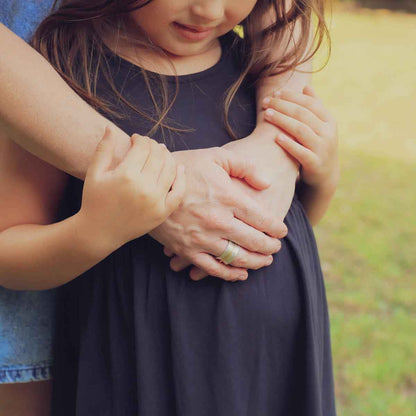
x=40, y=112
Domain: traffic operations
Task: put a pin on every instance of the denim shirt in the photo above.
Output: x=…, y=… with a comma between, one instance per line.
x=22, y=16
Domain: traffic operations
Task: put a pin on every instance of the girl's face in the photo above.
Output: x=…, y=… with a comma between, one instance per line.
x=190, y=27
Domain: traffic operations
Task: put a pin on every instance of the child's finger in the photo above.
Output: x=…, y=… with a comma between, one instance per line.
x=308, y=90
x=167, y=175
x=176, y=195
x=303, y=155
x=301, y=132
x=298, y=112
x=137, y=154
x=103, y=155
x=313, y=104
x=154, y=163
x=240, y=166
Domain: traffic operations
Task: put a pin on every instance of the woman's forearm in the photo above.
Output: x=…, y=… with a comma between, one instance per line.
x=38, y=257
x=43, y=115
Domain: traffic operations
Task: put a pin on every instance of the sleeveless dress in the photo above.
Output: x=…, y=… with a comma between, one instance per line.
x=136, y=338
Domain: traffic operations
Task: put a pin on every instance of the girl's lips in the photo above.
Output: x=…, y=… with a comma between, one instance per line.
x=192, y=32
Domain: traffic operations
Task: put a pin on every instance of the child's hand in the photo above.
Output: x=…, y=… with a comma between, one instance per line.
x=312, y=134
x=125, y=203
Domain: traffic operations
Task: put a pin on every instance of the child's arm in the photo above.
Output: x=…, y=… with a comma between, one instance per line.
x=36, y=254
x=311, y=139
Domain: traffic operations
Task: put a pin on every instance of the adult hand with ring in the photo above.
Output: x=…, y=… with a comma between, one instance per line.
x=214, y=211
x=233, y=257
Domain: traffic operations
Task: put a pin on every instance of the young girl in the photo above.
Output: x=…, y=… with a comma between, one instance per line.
x=136, y=338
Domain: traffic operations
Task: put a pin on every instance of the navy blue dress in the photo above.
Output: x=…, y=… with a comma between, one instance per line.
x=136, y=338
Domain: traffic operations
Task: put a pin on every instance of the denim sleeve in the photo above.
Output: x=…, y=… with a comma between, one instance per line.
x=23, y=16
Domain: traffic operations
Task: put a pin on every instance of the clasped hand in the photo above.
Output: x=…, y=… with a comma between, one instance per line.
x=216, y=209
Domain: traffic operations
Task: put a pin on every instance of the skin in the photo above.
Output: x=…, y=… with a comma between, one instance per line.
x=36, y=399
x=62, y=124
x=311, y=138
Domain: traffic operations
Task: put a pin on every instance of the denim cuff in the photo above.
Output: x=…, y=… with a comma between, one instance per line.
x=26, y=374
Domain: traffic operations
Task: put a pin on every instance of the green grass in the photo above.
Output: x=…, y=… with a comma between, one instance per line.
x=368, y=238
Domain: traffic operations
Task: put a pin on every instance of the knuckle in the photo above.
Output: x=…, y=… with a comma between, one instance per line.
x=264, y=221
x=243, y=261
x=227, y=227
x=300, y=130
x=215, y=220
x=136, y=138
x=299, y=113
x=268, y=222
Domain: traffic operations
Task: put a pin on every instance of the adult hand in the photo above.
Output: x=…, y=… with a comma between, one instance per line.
x=277, y=167
x=216, y=209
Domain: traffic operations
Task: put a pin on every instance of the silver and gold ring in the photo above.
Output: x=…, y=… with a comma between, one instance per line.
x=230, y=253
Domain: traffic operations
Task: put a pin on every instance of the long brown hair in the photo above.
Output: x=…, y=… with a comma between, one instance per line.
x=71, y=39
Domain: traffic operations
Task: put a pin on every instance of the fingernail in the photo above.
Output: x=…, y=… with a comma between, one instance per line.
x=269, y=261
x=266, y=100
x=281, y=138
x=277, y=94
x=242, y=277
x=269, y=112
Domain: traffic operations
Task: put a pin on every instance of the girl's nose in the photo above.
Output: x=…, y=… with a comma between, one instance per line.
x=210, y=10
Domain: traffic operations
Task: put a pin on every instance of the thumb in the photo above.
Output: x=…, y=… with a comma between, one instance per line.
x=103, y=155
x=241, y=166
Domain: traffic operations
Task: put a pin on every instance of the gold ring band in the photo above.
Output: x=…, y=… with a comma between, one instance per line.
x=230, y=253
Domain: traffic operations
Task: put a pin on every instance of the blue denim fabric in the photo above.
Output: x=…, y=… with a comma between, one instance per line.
x=26, y=318
x=26, y=334
x=22, y=16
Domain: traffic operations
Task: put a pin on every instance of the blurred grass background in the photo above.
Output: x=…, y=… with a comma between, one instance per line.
x=367, y=240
